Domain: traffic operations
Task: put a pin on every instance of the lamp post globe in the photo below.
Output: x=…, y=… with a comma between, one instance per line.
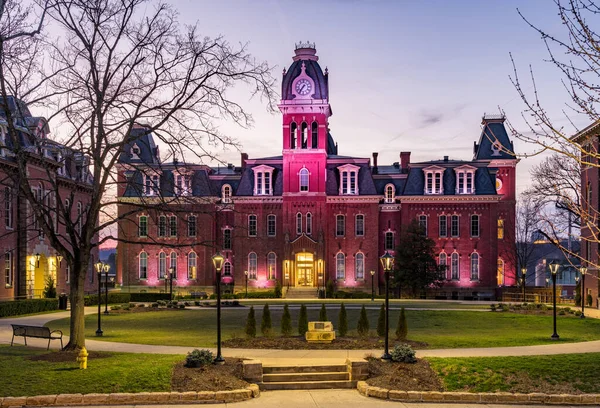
x=246, y=275
x=387, y=262
x=372, y=286
x=217, y=260
x=99, y=269
x=106, y=269
x=554, y=270
x=523, y=281
x=583, y=271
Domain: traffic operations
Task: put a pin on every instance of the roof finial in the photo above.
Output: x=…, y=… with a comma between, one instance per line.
x=284, y=71
x=326, y=71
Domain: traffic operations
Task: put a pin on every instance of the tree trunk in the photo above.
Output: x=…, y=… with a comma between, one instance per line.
x=77, y=293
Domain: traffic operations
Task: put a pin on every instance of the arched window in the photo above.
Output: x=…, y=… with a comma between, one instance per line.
x=298, y=223
x=173, y=265
x=252, y=265
x=389, y=241
x=390, y=193
x=340, y=266
x=315, y=135
x=454, y=272
x=226, y=193
x=308, y=223
x=272, y=265
x=293, y=135
x=162, y=265
x=359, y=225
x=79, y=217
x=143, y=226
x=143, y=271
x=303, y=179
x=304, y=135
x=359, y=266
x=271, y=225
x=192, y=265
x=443, y=261
x=500, y=272
x=474, y=266
x=252, y=227
x=227, y=269
x=8, y=276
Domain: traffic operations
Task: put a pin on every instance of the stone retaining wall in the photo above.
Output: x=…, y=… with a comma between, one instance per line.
x=472, y=397
x=252, y=391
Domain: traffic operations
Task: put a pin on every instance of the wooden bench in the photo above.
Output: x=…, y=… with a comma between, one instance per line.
x=38, y=332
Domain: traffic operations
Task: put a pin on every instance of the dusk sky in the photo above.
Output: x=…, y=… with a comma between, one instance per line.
x=404, y=75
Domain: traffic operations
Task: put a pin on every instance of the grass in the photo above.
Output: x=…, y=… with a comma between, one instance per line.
x=440, y=329
x=119, y=372
x=573, y=373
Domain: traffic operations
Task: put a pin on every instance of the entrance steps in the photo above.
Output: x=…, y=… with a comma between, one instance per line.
x=299, y=377
x=302, y=293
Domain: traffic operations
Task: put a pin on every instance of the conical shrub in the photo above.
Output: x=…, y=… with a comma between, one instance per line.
x=363, y=323
x=286, y=322
x=381, y=322
x=251, y=324
x=265, y=324
x=323, y=313
x=302, y=321
x=402, y=329
x=343, y=322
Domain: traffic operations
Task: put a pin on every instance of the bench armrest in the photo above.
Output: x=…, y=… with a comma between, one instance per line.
x=57, y=331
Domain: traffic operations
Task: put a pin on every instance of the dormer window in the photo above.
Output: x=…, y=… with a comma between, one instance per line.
x=151, y=184
x=433, y=180
x=226, y=194
x=465, y=180
x=348, y=179
x=263, y=180
x=135, y=152
x=303, y=174
x=183, y=184
x=389, y=193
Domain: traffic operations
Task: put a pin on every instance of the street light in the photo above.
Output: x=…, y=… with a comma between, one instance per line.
x=170, y=279
x=387, y=262
x=583, y=271
x=246, y=274
x=99, y=268
x=372, y=286
x=217, y=260
x=106, y=269
x=523, y=272
x=554, y=269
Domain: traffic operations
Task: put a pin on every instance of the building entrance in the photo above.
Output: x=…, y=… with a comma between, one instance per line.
x=305, y=269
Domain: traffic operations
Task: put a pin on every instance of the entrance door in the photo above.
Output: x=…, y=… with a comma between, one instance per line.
x=304, y=269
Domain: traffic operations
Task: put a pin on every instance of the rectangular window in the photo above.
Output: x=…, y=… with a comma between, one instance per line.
x=267, y=183
x=352, y=182
x=227, y=238
x=259, y=183
x=271, y=230
x=474, y=226
x=191, y=226
x=173, y=226
x=438, y=183
x=423, y=224
x=143, y=227
x=429, y=183
x=454, y=231
x=461, y=183
x=469, y=183
x=252, y=228
x=340, y=226
x=443, y=226
x=360, y=225
x=389, y=241
x=8, y=211
x=162, y=226
x=500, y=229
x=7, y=269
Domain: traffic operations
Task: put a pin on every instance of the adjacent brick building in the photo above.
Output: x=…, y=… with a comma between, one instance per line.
x=311, y=215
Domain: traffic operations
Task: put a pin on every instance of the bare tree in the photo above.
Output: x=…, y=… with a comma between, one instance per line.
x=119, y=65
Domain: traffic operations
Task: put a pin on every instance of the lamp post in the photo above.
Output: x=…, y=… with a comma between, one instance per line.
x=372, y=286
x=217, y=260
x=553, y=270
x=99, y=268
x=523, y=280
x=37, y=259
x=170, y=279
x=246, y=274
x=583, y=271
x=106, y=269
x=387, y=262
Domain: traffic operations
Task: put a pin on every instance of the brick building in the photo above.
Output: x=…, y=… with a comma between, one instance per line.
x=54, y=172
x=310, y=215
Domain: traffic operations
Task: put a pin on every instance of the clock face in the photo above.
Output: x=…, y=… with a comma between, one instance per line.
x=303, y=87
x=498, y=184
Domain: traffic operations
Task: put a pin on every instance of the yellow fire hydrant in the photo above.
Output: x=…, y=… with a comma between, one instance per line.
x=82, y=358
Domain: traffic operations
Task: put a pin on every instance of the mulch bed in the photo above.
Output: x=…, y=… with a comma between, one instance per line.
x=67, y=356
x=403, y=376
x=299, y=343
x=223, y=377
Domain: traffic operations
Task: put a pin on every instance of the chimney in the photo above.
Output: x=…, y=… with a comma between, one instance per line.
x=404, y=160
x=445, y=158
x=243, y=160
x=375, y=154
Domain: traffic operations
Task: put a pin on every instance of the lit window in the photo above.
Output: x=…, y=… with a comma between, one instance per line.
x=359, y=266
x=304, y=179
x=500, y=229
x=423, y=224
x=308, y=223
x=162, y=265
x=143, y=226
x=252, y=227
x=474, y=266
x=271, y=225
x=272, y=265
x=359, y=225
x=191, y=226
x=389, y=241
x=443, y=226
x=390, y=193
x=192, y=266
x=474, y=226
x=340, y=226
x=252, y=267
x=454, y=231
x=226, y=193
x=143, y=271
x=340, y=266
x=298, y=224
x=500, y=272
x=227, y=238
x=454, y=272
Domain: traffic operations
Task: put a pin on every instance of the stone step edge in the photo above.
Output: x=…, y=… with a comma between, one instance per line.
x=481, y=397
x=252, y=391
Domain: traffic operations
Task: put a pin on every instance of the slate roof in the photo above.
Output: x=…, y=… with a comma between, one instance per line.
x=314, y=71
x=398, y=183
x=366, y=186
x=145, y=142
x=485, y=181
x=493, y=130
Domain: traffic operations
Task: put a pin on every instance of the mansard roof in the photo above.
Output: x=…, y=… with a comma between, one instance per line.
x=381, y=182
x=246, y=185
x=141, y=138
x=493, y=133
x=305, y=56
x=365, y=181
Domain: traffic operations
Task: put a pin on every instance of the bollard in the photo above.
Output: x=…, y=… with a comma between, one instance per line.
x=82, y=359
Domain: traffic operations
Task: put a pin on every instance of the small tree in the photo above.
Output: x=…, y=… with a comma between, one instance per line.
x=323, y=313
x=286, y=322
x=278, y=290
x=265, y=324
x=381, y=322
x=402, y=329
x=50, y=288
x=329, y=289
x=578, y=294
x=251, y=324
x=363, y=323
x=588, y=299
x=343, y=322
x=302, y=321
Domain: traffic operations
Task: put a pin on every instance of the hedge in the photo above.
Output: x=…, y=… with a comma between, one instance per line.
x=92, y=300
x=20, y=307
x=147, y=297
x=263, y=294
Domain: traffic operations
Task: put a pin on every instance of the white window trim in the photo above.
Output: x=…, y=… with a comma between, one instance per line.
x=152, y=178
x=303, y=171
x=271, y=267
x=192, y=276
x=462, y=173
x=356, y=225
x=262, y=170
x=252, y=269
x=140, y=265
x=255, y=217
x=345, y=173
x=309, y=223
x=471, y=266
x=435, y=173
x=356, y=264
x=226, y=197
x=392, y=198
x=186, y=179
x=337, y=274
x=274, y=217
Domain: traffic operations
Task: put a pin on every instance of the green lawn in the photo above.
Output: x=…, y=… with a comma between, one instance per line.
x=573, y=373
x=440, y=329
x=20, y=376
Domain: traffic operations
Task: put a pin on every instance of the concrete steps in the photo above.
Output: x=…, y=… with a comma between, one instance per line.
x=306, y=377
x=302, y=293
